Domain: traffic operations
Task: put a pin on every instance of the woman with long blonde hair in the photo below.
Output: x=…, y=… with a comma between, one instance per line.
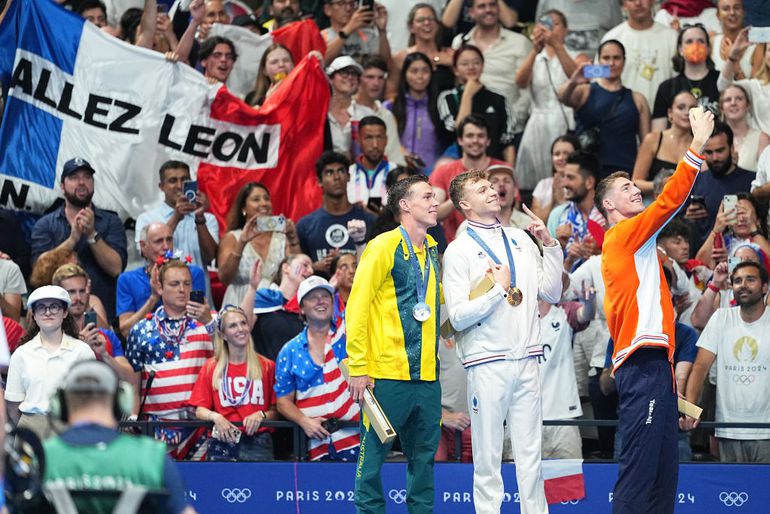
x=236, y=385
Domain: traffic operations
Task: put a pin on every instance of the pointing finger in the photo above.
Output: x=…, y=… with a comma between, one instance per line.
x=529, y=213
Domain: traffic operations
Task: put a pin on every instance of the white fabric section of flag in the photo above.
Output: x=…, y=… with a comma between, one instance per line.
x=559, y=468
x=250, y=48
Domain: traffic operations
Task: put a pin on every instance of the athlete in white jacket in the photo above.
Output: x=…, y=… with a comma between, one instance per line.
x=498, y=337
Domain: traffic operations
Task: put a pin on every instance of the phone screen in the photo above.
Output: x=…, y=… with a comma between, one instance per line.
x=197, y=296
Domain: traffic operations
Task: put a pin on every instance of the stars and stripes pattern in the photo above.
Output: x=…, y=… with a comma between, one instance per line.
x=176, y=368
x=321, y=393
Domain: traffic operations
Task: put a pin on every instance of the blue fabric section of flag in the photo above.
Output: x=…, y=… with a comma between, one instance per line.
x=36, y=135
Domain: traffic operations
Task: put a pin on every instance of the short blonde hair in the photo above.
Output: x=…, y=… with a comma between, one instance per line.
x=457, y=186
x=603, y=188
x=67, y=271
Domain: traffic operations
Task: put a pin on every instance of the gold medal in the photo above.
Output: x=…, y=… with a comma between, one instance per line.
x=515, y=296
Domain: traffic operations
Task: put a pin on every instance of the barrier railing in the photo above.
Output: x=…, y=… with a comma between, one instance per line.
x=299, y=439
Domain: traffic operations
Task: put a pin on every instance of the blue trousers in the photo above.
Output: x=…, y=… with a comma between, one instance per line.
x=648, y=465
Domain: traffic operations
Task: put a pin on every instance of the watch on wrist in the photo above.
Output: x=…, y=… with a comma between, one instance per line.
x=200, y=221
x=756, y=233
x=95, y=237
x=343, y=35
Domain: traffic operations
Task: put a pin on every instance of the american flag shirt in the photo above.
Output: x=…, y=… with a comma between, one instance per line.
x=176, y=365
x=320, y=391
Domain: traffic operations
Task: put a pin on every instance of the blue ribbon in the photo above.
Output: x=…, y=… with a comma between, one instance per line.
x=422, y=281
x=489, y=251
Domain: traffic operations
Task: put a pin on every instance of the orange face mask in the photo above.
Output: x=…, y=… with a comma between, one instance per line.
x=695, y=53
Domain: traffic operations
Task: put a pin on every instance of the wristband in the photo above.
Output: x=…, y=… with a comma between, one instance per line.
x=712, y=287
x=756, y=233
x=201, y=221
x=343, y=35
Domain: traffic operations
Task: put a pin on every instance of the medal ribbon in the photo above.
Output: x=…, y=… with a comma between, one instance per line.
x=491, y=254
x=422, y=281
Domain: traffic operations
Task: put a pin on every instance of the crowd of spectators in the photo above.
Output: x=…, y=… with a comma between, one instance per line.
x=247, y=324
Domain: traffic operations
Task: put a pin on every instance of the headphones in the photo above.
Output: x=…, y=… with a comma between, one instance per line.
x=122, y=400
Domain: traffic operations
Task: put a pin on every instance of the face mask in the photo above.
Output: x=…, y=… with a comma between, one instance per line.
x=695, y=53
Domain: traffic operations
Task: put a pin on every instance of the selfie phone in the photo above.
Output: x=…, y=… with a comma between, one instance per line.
x=729, y=203
x=190, y=188
x=698, y=199
x=162, y=8
x=732, y=262
x=197, y=296
x=596, y=71
x=331, y=425
x=366, y=4
x=546, y=21
x=89, y=317
x=759, y=35
x=271, y=223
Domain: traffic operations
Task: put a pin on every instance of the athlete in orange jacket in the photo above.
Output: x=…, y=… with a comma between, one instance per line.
x=640, y=318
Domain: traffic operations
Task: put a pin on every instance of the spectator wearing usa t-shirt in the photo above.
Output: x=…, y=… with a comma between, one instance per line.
x=236, y=385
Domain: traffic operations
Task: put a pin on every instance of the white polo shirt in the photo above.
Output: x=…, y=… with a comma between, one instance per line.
x=34, y=373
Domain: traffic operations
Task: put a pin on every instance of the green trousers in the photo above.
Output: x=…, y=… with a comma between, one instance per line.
x=414, y=410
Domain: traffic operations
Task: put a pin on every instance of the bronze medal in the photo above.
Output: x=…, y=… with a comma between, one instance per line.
x=515, y=296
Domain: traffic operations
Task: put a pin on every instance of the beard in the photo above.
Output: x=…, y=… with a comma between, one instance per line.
x=721, y=169
x=750, y=300
x=78, y=202
x=285, y=15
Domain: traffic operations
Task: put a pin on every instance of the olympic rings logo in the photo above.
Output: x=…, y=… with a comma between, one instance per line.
x=397, y=495
x=236, y=495
x=733, y=499
x=744, y=379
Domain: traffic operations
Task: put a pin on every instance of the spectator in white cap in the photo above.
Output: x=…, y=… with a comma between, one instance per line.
x=306, y=371
x=344, y=114
x=44, y=356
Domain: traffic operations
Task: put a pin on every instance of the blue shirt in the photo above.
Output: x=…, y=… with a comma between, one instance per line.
x=185, y=233
x=686, y=338
x=117, y=346
x=295, y=369
x=92, y=434
x=320, y=232
x=134, y=288
x=53, y=229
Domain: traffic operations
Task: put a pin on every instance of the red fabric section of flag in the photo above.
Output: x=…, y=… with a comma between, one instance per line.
x=565, y=488
x=299, y=106
x=300, y=38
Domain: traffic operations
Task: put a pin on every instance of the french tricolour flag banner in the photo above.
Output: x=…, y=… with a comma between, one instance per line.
x=74, y=91
x=563, y=480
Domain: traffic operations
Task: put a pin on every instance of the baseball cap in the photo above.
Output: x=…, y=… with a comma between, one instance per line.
x=310, y=283
x=48, y=293
x=73, y=165
x=342, y=62
x=500, y=168
x=245, y=20
x=90, y=376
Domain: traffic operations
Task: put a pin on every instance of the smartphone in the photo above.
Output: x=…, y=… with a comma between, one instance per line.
x=374, y=204
x=546, y=21
x=162, y=8
x=698, y=199
x=366, y=4
x=89, y=317
x=730, y=204
x=271, y=223
x=759, y=35
x=732, y=262
x=331, y=425
x=197, y=296
x=190, y=188
x=596, y=71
